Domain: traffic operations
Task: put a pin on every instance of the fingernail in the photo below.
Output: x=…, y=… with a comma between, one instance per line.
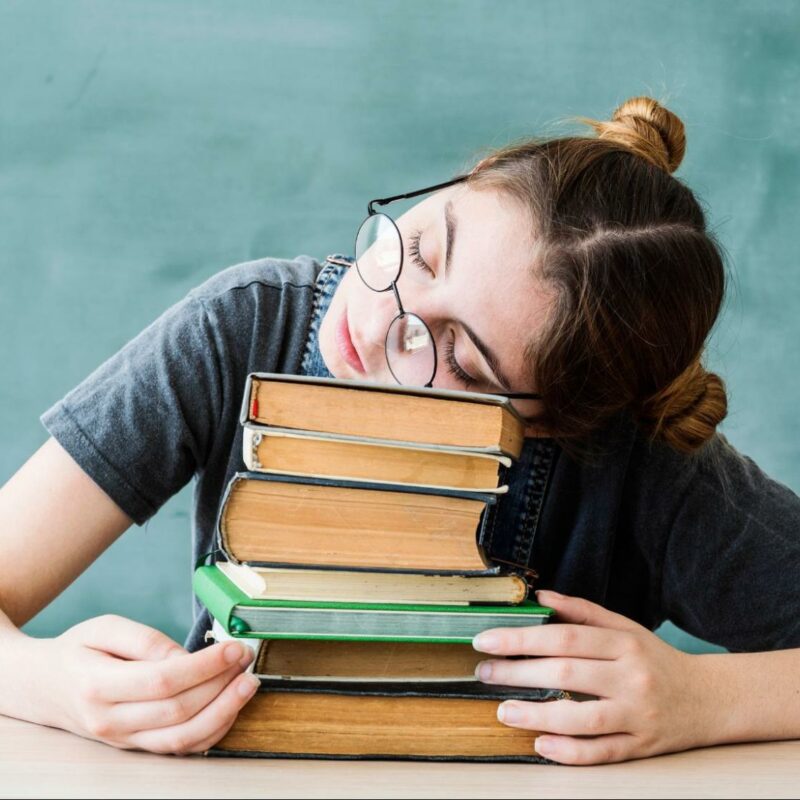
x=508, y=712
x=483, y=671
x=550, y=592
x=486, y=642
x=233, y=652
x=246, y=658
x=248, y=685
x=544, y=747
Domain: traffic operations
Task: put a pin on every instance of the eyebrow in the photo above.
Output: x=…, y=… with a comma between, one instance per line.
x=490, y=357
x=494, y=365
x=450, y=225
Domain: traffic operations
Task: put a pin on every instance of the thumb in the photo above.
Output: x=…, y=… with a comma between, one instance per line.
x=124, y=638
x=584, y=612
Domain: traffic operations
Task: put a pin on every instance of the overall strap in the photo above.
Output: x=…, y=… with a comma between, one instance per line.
x=512, y=529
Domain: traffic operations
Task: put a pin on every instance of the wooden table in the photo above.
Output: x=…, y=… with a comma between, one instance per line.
x=44, y=762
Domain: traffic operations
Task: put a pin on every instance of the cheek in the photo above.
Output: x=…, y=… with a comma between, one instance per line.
x=326, y=329
x=346, y=295
x=350, y=293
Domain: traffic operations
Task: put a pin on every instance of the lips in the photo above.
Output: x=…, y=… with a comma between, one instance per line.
x=346, y=346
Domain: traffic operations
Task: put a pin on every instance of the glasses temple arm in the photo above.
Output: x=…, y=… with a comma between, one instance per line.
x=385, y=200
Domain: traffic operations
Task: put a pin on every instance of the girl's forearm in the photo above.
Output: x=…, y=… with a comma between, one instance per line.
x=21, y=663
x=756, y=695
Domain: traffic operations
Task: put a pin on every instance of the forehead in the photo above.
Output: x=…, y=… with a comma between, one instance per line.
x=493, y=269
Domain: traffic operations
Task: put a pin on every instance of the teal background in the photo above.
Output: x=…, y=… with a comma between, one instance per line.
x=146, y=145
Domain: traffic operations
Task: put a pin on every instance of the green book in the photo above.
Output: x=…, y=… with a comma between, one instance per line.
x=240, y=615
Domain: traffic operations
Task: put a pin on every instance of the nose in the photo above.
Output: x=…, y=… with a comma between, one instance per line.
x=379, y=309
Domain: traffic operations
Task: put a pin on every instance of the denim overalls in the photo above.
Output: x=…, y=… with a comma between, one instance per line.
x=515, y=517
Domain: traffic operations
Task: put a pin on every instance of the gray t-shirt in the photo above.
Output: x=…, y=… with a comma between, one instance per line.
x=166, y=406
x=711, y=543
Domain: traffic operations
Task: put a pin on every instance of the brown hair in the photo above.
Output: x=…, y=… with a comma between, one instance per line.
x=638, y=280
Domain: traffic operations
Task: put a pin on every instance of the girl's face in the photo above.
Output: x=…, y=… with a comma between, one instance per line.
x=485, y=297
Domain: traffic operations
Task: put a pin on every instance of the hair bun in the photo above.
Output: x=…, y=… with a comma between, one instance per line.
x=643, y=126
x=687, y=411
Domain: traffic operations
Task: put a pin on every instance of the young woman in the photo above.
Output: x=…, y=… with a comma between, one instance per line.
x=576, y=275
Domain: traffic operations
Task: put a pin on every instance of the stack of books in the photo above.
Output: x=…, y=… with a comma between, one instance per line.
x=357, y=550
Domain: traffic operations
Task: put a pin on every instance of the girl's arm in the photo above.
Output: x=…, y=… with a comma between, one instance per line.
x=54, y=522
x=720, y=541
x=108, y=678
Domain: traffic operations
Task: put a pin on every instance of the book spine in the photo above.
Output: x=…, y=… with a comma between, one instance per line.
x=219, y=601
x=222, y=541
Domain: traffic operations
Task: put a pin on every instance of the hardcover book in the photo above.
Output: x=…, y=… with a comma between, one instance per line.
x=357, y=660
x=345, y=661
x=275, y=583
x=240, y=615
x=423, y=721
x=287, y=520
x=283, y=451
x=362, y=409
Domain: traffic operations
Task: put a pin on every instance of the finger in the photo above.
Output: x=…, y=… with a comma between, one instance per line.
x=185, y=738
x=584, y=612
x=155, y=680
x=585, y=718
x=127, y=639
x=600, y=678
x=599, y=750
x=554, y=639
x=129, y=717
x=215, y=737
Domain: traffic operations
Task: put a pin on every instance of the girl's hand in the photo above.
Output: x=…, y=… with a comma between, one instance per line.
x=649, y=696
x=130, y=686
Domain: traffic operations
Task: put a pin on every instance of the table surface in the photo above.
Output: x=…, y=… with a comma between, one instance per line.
x=36, y=761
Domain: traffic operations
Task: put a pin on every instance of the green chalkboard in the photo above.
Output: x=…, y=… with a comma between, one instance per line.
x=146, y=145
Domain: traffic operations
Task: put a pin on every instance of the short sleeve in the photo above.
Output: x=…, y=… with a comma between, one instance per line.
x=730, y=569
x=142, y=423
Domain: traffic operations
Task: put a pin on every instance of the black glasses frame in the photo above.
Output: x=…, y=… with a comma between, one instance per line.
x=393, y=284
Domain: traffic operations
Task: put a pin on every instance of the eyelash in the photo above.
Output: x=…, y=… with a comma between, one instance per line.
x=452, y=365
x=449, y=348
x=413, y=251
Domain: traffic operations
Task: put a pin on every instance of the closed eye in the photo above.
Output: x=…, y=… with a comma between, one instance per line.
x=454, y=368
x=416, y=257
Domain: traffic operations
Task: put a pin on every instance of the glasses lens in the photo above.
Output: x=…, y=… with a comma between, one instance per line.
x=379, y=251
x=410, y=351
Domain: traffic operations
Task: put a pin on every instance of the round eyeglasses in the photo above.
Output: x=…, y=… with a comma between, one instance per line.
x=409, y=345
